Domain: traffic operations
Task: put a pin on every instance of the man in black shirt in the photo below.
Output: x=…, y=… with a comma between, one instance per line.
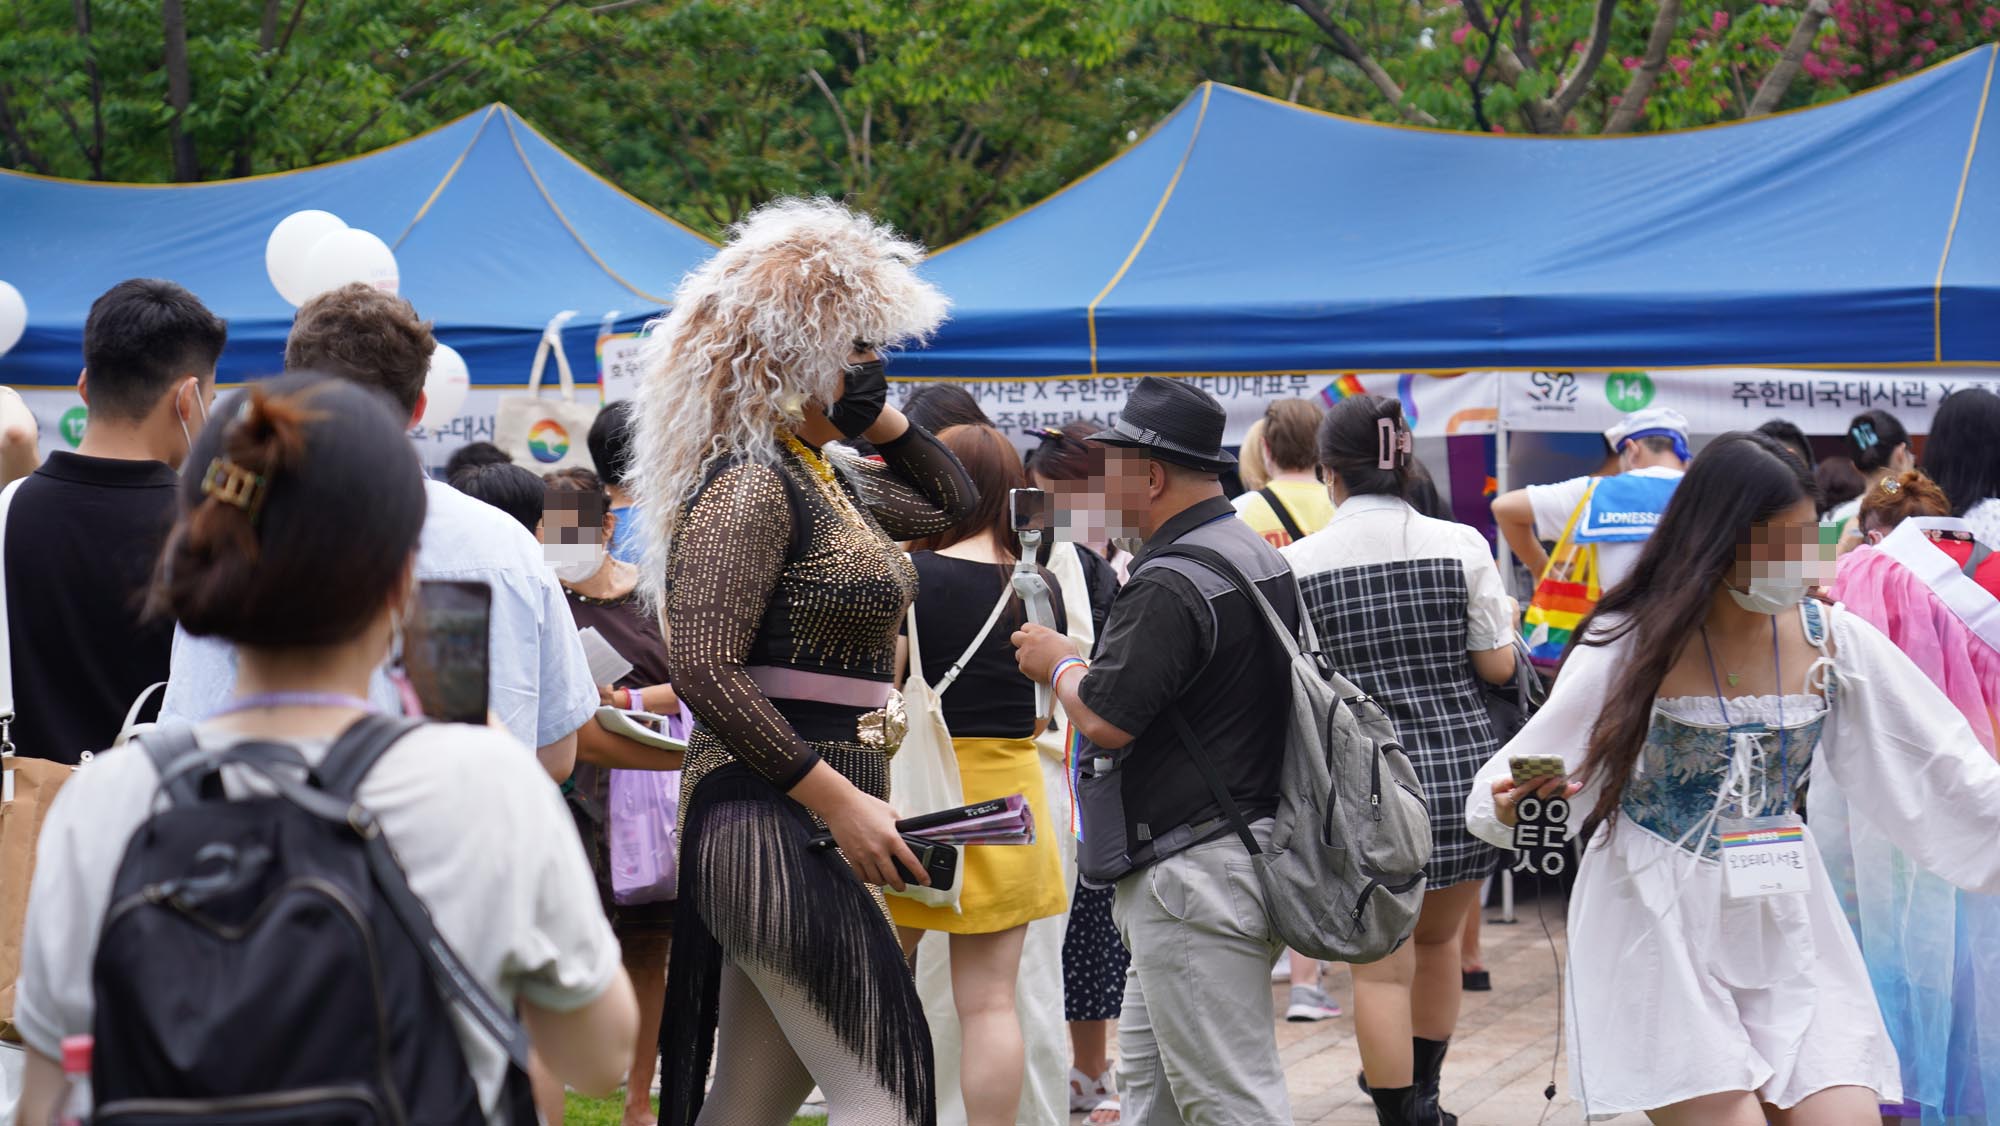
x=82, y=533
x=1197, y=1036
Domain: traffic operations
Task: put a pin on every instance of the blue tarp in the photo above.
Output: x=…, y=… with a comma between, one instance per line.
x=1248, y=235
x=495, y=230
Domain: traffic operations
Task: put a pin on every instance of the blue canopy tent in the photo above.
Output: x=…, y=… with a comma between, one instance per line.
x=1249, y=235
x=495, y=231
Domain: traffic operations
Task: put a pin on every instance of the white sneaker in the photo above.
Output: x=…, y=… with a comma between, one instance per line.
x=1310, y=1004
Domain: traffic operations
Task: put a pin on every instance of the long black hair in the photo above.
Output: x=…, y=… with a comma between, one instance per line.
x=1739, y=480
x=1962, y=453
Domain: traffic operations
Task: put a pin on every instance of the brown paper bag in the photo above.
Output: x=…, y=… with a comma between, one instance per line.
x=33, y=783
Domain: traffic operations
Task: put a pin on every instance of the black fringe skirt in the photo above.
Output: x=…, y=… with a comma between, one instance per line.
x=754, y=892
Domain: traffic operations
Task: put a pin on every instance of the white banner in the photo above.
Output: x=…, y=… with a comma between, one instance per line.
x=1435, y=405
x=61, y=415
x=618, y=365
x=1717, y=400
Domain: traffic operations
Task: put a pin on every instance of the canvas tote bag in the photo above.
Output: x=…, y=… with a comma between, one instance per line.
x=541, y=434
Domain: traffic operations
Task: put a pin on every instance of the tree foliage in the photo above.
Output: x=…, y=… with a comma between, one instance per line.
x=941, y=115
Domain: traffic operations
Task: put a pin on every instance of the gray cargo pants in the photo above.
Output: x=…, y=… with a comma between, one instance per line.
x=1197, y=1040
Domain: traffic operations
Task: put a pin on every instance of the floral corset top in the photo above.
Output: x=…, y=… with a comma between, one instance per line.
x=1697, y=767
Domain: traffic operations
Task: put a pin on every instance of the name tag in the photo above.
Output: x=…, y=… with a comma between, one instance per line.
x=1764, y=856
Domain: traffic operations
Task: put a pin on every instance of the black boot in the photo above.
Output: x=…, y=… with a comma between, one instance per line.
x=1427, y=1064
x=1393, y=1105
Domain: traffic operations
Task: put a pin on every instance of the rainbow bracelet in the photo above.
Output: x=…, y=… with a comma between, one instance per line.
x=1063, y=666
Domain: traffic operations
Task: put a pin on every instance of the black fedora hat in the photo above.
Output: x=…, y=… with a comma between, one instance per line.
x=1172, y=421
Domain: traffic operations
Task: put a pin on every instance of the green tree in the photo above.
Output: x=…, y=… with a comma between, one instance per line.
x=941, y=115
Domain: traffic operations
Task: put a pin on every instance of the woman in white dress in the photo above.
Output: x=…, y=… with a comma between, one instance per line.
x=1703, y=691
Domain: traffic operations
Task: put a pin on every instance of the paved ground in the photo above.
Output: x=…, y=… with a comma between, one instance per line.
x=1499, y=1062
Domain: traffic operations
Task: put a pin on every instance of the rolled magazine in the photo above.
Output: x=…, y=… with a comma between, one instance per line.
x=1000, y=821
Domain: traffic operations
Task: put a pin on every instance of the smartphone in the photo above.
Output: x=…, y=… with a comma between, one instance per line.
x=1028, y=510
x=1528, y=768
x=940, y=861
x=446, y=647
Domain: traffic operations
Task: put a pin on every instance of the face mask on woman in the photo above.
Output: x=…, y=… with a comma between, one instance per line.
x=574, y=562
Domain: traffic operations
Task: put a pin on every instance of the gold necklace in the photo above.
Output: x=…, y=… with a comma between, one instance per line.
x=814, y=460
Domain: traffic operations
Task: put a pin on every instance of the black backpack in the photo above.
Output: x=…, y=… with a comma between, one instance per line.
x=263, y=960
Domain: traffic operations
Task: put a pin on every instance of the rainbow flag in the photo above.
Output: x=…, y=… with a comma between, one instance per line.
x=1346, y=387
x=1781, y=835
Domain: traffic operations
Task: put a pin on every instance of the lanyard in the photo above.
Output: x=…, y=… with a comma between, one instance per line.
x=1778, y=665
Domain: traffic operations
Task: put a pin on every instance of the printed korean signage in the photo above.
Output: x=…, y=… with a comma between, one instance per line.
x=1716, y=400
x=1435, y=405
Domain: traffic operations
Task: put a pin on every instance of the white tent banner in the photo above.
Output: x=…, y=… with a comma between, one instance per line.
x=1436, y=405
x=1717, y=400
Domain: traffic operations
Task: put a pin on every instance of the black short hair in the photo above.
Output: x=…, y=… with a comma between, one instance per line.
x=939, y=406
x=474, y=453
x=143, y=336
x=507, y=487
x=610, y=443
x=326, y=534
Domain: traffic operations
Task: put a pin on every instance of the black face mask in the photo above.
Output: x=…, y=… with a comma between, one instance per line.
x=862, y=402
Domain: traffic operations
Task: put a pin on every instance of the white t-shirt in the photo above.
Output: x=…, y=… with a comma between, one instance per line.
x=1382, y=529
x=479, y=829
x=537, y=678
x=1554, y=504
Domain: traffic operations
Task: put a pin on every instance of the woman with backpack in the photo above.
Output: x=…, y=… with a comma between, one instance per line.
x=1713, y=978
x=1411, y=609
x=774, y=560
x=297, y=533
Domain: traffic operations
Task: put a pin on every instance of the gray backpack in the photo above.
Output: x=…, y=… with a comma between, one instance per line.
x=1344, y=874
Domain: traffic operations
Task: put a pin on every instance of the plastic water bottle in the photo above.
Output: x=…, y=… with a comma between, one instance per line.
x=74, y=1108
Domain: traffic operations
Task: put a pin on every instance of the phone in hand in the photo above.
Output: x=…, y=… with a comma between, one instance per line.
x=940, y=861
x=1027, y=510
x=1530, y=768
x=446, y=649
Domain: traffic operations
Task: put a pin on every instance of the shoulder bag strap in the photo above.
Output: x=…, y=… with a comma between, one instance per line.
x=958, y=666
x=1215, y=561
x=1283, y=514
x=6, y=642
x=169, y=746
x=1979, y=553
x=1557, y=555
x=346, y=764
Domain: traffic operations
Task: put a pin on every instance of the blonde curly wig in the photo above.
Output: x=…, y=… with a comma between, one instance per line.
x=755, y=333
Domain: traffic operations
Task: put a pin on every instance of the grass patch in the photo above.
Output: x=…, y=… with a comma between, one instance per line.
x=579, y=1111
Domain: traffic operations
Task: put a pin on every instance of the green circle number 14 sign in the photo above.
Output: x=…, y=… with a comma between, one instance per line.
x=1629, y=390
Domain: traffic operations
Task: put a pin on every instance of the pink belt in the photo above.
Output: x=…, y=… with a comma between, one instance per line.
x=825, y=687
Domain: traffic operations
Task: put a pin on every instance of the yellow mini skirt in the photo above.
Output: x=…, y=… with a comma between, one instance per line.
x=1003, y=886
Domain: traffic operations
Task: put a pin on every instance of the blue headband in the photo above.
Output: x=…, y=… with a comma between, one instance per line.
x=1680, y=439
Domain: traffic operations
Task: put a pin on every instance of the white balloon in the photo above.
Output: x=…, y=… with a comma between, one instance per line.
x=13, y=317
x=286, y=250
x=349, y=255
x=445, y=386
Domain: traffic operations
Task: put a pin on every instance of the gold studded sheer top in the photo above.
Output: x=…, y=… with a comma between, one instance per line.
x=794, y=567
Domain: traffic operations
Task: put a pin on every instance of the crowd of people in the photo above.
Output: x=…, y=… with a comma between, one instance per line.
x=1772, y=725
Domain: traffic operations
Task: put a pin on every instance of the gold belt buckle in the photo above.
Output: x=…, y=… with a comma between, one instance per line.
x=883, y=728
